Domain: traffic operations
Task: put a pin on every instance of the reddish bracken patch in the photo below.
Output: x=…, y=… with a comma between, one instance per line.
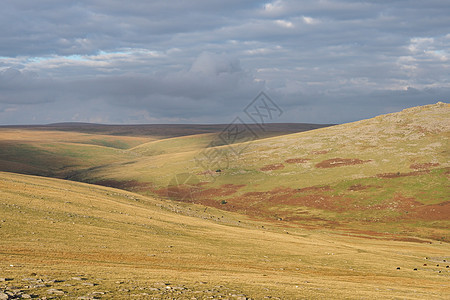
x=272, y=167
x=359, y=187
x=398, y=203
x=423, y=166
x=223, y=190
x=440, y=211
x=195, y=192
x=207, y=172
x=296, y=160
x=320, y=201
x=339, y=162
x=182, y=192
x=322, y=188
x=319, y=152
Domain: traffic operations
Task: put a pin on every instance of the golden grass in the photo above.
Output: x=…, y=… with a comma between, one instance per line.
x=59, y=229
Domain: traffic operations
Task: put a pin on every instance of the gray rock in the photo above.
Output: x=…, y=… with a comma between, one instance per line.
x=35, y=286
x=55, y=292
x=79, y=278
x=98, y=293
x=89, y=284
x=3, y=296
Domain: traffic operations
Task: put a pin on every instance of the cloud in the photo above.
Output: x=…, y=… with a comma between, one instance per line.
x=285, y=24
x=310, y=21
x=202, y=60
x=22, y=87
x=214, y=82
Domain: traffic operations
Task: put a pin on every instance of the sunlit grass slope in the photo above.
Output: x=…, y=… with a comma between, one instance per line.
x=414, y=139
x=385, y=174
x=388, y=174
x=60, y=237
x=55, y=153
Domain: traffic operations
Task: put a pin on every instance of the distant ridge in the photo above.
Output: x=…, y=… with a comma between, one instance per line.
x=167, y=130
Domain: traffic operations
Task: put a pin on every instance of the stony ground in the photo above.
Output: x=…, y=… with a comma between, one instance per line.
x=83, y=288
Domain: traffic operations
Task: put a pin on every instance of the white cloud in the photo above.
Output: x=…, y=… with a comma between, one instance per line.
x=420, y=45
x=310, y=20
x=274, y=7
x=284, y=23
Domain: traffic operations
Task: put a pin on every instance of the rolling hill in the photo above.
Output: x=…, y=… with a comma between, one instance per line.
x=387, y=175
x=201, y=210
x=68, y=239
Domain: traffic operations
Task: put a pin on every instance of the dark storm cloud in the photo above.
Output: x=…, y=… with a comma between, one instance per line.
x=203, y=60
x=19, y=87
x=213, y=83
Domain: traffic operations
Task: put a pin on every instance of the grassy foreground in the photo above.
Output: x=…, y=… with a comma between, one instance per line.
x=67, y=239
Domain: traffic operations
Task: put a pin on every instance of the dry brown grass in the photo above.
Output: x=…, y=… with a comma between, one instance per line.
x=59, y=230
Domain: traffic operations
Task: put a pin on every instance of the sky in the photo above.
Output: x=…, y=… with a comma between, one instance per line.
x=205, y=61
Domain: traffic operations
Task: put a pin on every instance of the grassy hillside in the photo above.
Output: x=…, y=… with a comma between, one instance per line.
x=57, y=154
x=73, y=150
x=66, y=238
x=386, y=176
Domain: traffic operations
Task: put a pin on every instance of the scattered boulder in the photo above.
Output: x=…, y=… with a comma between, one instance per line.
x=79, y=278
x=55, y=292
x=89, y=284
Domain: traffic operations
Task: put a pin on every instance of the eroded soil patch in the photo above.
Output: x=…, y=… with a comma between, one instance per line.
x=296, y=160
x=360, y=187
x=339, y=162
x=272, y=167
x=319, y=152
x=422, y=166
